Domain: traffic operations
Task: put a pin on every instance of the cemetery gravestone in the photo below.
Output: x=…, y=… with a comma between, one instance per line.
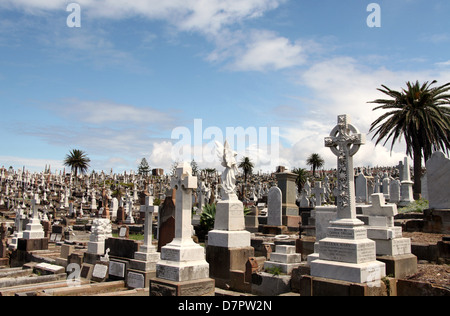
x=182, y=260
x=391, y=247
x=229, y=243
x=438, y=175
x=346, y=253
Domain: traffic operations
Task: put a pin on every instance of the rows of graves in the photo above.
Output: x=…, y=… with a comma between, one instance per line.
x=74, y=236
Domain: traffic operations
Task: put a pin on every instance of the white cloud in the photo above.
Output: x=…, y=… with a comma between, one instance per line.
x=267, y=51
x=101, y=112
x=206, y=16
x=256, y=50
x=342, y=85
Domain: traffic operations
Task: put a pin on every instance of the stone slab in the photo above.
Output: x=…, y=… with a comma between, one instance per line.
x=399, y=266
x=139, y=279
x=201, y=287
x=182, y=271
x=229, y=239
x=369, y=272
x=393, y=247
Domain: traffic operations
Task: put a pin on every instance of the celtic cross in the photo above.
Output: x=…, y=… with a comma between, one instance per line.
x=345, y=141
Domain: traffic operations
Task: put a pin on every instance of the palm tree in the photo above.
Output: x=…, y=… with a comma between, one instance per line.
x=418, y=113
x=77, y=160
x=247, y=167
x=315, y=161
x=302, y=176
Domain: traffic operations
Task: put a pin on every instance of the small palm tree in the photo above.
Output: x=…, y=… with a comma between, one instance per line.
x=419, y=114
x=302, y=177
x=78, y=161
x=247, y=167
x=315, y=161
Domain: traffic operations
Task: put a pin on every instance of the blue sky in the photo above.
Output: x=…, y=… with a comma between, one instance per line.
x=120, y=84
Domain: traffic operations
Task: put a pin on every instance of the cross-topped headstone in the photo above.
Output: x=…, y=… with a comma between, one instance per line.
x=184, y=183
x=379, y=207
x=345, y=141
x=318, y=191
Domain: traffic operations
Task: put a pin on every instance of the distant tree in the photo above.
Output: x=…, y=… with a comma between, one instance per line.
x=302, y=177
x=247, y=167
x=144, y=168
x=421, y=115
x=78, y=161
x=316, y=162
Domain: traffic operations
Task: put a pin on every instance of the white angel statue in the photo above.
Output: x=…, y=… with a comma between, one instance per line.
x=229, y=162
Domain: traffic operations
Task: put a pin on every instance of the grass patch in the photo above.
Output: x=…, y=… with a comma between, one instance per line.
x=136, y=237
x=417, y=206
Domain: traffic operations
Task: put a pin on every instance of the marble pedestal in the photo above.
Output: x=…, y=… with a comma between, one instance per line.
x=347, y=254
x=34, y=230
x=182, y=262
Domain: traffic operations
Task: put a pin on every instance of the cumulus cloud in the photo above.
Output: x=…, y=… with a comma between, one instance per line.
x=342, y=85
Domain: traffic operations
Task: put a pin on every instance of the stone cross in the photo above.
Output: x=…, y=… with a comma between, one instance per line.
x=380, y=208
x=34, y=210
x=184, y=183
x=345, y=141
x=318, y=190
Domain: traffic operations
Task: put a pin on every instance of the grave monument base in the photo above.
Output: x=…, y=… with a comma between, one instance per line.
x=137, y=279
x=369, y=272
x=201, y=287
x=223, y=261
x=399, y=266
x=32, y=244
x=317, y=286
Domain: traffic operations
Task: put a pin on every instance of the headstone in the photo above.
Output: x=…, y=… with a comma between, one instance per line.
x=395, y=191
x=124, y=231
x=182, y=260
x=394, y=250
x=100, y=231
x=143, y=266
x=274, y=207
x=318, y=192
x=34, y=229
x=438, y=179
x=346, y=253
x=100, y=272
x=288, y=187
x=361, y=190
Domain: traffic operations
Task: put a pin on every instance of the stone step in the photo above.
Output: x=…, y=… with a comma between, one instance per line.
x=284, y=249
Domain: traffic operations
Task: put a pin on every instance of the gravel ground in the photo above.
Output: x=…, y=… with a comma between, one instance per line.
x=433, y=273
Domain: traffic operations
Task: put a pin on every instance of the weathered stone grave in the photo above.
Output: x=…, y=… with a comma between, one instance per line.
x=274, y=213
x=143, y=266
x=391, y=247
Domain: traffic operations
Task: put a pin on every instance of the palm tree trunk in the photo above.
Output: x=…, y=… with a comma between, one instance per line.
x=417, y=186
